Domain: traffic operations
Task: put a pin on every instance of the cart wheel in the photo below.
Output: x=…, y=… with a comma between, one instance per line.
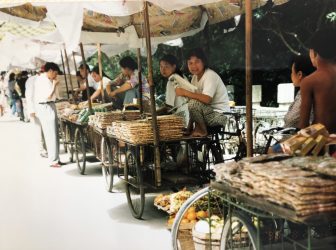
x=176, y=232
x=68, y=143
x=80, y=150
x=135, y=192
x=239, y=234
x=107, y=161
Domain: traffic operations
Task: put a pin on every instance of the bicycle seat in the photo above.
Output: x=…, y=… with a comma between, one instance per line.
x=288, y=131
x=271, y=130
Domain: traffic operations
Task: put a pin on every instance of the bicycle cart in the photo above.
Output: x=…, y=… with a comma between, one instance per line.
x=257, y=222
x=138, y=171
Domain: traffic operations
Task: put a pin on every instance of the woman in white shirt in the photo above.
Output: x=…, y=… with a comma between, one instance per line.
x=97, y=85
x=211, y=99
x=178, y=105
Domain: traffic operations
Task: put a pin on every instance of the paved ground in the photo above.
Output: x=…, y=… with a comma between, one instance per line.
x=57, y=209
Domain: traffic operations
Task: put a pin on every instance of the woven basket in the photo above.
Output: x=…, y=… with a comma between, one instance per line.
x=185, y=240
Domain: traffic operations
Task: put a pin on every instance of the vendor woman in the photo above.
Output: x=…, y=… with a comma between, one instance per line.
x=128, y=81
x=176, y=104
x=211, y=99
x=96, y=83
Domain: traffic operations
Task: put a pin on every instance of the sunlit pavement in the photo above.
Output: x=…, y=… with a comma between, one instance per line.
x=43, y=208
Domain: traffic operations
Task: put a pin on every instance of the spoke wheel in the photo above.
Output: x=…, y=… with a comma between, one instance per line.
x=107, y=160
x=68, y=143
x=135, y=192
x=80, y=150
x=178, y=241
x=239, y=233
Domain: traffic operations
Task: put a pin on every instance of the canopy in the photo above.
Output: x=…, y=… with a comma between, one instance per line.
x=117, y=22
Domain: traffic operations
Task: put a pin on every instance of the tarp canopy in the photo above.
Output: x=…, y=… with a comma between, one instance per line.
x=117, y=22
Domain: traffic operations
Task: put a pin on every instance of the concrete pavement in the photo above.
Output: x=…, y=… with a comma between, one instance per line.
x=42, y=208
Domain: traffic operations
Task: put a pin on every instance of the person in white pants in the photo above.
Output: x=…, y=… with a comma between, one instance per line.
x=45, y=96
x=31, y=110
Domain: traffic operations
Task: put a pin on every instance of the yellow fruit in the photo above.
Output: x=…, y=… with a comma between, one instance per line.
x=171, y=221
x=191, y=216
x=185, y=216
x=191, y=210
x=201, y=214
x=184, y=221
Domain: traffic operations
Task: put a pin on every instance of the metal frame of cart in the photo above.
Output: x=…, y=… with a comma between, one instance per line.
x=138, y=169
x=81, y=139
x=241, y=207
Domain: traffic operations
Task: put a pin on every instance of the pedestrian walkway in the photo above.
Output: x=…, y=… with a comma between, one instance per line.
x=43, y=208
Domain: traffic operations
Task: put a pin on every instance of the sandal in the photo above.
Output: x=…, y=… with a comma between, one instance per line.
x=55, y=165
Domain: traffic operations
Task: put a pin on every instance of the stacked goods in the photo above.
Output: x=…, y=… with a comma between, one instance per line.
x=310, y=140
x=83, y=116
x=284, y=183
x=320, y=165
x=60, y=106
x=170, y=127
x=104, y=119
x=114, y=130
x=140, y=131
x=131, y=115
x=73, y=117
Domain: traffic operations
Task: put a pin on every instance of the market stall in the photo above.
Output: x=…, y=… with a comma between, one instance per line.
x=80, y=138
x=265, y=199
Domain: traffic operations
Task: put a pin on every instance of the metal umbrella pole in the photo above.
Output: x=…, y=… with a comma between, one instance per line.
x=68, y=67
x=140, y=80
x=157, y=166
x=248, y=76
x=65, y=78
x=86, y=79
x=74, y=59
x=101, y=72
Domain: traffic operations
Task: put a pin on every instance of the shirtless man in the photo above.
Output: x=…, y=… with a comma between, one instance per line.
x=318, y=90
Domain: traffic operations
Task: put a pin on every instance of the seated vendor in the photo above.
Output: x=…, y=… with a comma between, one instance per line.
x=128, y=82
x=174, y=104
x=301, y=67
x=97, y=83
x=82, y=88
x=211, y=98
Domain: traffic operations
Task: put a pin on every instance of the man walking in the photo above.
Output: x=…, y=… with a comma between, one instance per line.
x=46, y=85
x=31, y=109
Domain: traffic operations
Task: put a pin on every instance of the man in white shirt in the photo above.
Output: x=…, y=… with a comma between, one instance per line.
x=45, y=96
x=31, y=108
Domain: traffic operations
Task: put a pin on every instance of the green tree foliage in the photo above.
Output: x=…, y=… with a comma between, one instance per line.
x=278, y=33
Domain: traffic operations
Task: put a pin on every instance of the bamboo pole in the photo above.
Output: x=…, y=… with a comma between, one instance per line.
x=86, y=79
x=248, y=78
x=101, y=72
x=157, y=171
x=68, y=67
x=74, y=60
x=65, y=78
x=140, y=80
